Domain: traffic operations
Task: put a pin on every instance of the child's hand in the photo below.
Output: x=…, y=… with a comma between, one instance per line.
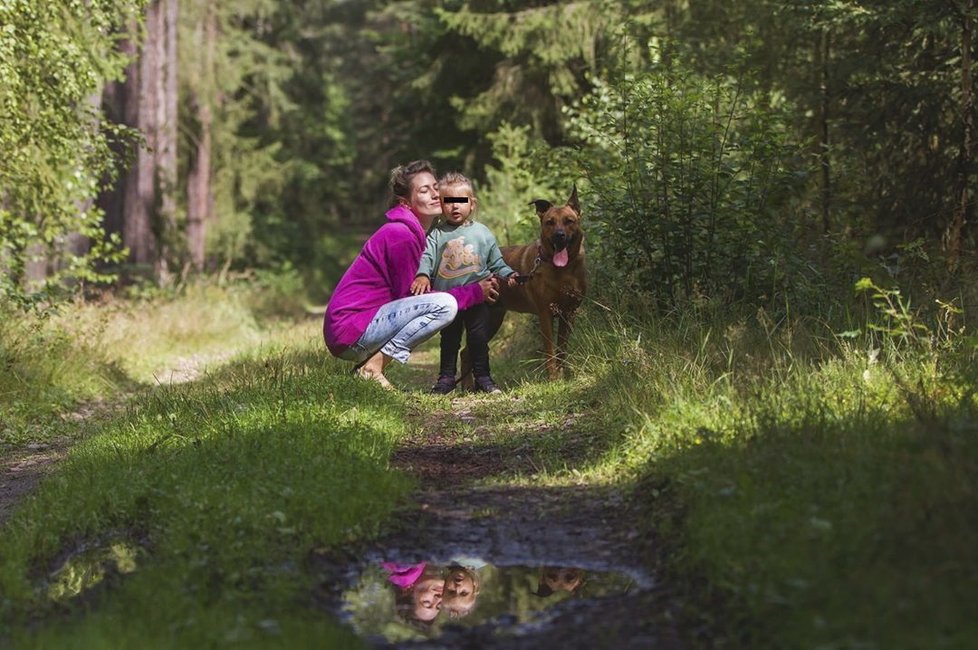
x=513, y=280
x=420, y=285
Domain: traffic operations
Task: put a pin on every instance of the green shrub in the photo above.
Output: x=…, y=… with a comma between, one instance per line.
x=690, y=182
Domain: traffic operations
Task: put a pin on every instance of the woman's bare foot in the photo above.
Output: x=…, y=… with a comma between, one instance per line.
x=373, y=369
x=375, y=376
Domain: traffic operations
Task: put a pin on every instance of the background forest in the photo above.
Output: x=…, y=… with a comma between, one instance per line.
x=762, y=150
x=775, y=361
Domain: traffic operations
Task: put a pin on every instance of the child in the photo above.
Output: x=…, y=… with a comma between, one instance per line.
x=460, y=590
x=460, y=251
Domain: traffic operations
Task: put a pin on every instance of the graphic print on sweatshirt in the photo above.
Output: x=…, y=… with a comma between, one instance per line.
x=458, y=259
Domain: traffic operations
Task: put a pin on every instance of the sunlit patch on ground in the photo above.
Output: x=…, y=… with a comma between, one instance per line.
x=89, y=565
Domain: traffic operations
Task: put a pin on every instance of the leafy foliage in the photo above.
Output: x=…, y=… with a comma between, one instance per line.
x=692, y=177
x=54, y=56
x=883, y=78
x=518, y=179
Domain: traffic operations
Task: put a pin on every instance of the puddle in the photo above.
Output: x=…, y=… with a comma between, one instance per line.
x=88, y=566
x=393, y=603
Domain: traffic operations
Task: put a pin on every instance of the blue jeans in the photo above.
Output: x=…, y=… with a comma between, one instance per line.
x=402, y=325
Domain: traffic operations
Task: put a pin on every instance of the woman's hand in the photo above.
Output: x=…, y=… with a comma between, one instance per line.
x=420, y=285
x=490, y=289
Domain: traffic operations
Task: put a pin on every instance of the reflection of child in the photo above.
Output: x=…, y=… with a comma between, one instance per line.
x=419, y=590
x=461, y=590
x=460, y=251
x=555, y=578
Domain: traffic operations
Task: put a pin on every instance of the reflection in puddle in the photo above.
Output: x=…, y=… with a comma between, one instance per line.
x=89, y=566
x=400, y=602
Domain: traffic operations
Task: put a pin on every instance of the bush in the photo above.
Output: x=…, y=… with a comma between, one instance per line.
x=692, y=180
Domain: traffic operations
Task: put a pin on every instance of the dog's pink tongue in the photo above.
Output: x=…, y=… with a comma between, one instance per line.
x=561, y=258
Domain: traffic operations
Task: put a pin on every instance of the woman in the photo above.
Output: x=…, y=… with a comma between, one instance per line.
x=372, y=317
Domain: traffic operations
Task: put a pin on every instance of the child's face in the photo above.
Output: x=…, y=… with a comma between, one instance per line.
x=427, y=594
x=460, y=588
x=457, y=203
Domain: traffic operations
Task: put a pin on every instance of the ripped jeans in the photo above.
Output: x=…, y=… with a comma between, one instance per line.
x=402, y=325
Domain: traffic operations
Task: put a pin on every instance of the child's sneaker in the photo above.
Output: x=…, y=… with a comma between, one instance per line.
x=444, y=385
x=486, y=385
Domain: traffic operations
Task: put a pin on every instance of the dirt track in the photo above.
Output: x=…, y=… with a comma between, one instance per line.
x=507, y=526
x=21, y=472
x=459, y=514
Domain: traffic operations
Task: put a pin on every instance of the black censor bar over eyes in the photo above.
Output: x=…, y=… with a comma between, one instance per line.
x=455, y=199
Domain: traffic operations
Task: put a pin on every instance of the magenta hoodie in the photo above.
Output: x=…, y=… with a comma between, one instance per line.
x=382, y=272
x=403, y=575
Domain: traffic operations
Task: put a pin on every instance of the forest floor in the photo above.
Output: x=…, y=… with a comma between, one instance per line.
x=471, y=502
x=469, y=505
x=21, y=469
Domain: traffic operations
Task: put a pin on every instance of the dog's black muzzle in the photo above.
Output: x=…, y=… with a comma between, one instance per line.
x=559, y=240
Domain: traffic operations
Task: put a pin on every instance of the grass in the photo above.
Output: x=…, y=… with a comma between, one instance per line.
x=810, y=491
x=219, y=491
x=82, y=352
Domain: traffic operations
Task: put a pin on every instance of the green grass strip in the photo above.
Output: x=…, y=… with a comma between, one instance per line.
x=186, y=521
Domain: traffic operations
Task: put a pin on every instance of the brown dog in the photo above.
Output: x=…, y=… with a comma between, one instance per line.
x=553, y=280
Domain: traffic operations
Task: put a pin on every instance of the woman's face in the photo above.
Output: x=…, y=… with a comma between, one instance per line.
x=427, y=597
x=424, y=196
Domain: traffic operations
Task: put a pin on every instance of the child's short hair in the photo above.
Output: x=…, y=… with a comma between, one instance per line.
x=455, y=178
x=459, y=606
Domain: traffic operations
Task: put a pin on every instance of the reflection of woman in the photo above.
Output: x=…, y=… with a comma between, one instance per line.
x=418, y=594
x=372, y=317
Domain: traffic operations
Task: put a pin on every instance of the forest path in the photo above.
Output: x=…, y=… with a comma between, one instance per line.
x=22, y=468
x=478, y=498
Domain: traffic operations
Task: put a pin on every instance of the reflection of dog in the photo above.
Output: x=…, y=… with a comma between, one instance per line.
x=555, y=578
x=553, y=280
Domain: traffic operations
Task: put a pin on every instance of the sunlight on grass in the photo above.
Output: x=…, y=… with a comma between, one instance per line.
x=224, y=486
x=80, y=352
x=803, y=485
x=806, y=488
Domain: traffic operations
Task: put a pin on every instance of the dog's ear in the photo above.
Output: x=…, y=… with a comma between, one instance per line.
x=572, y=201
x=541, y=205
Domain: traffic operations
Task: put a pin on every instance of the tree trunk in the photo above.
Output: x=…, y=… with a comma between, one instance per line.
x=822, y=56
x=139, y=194
x=952, y=234
x=199, y=177
x=166, y=128
x=143, y=205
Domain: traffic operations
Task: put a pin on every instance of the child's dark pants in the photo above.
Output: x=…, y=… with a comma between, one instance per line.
x=475, y=321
